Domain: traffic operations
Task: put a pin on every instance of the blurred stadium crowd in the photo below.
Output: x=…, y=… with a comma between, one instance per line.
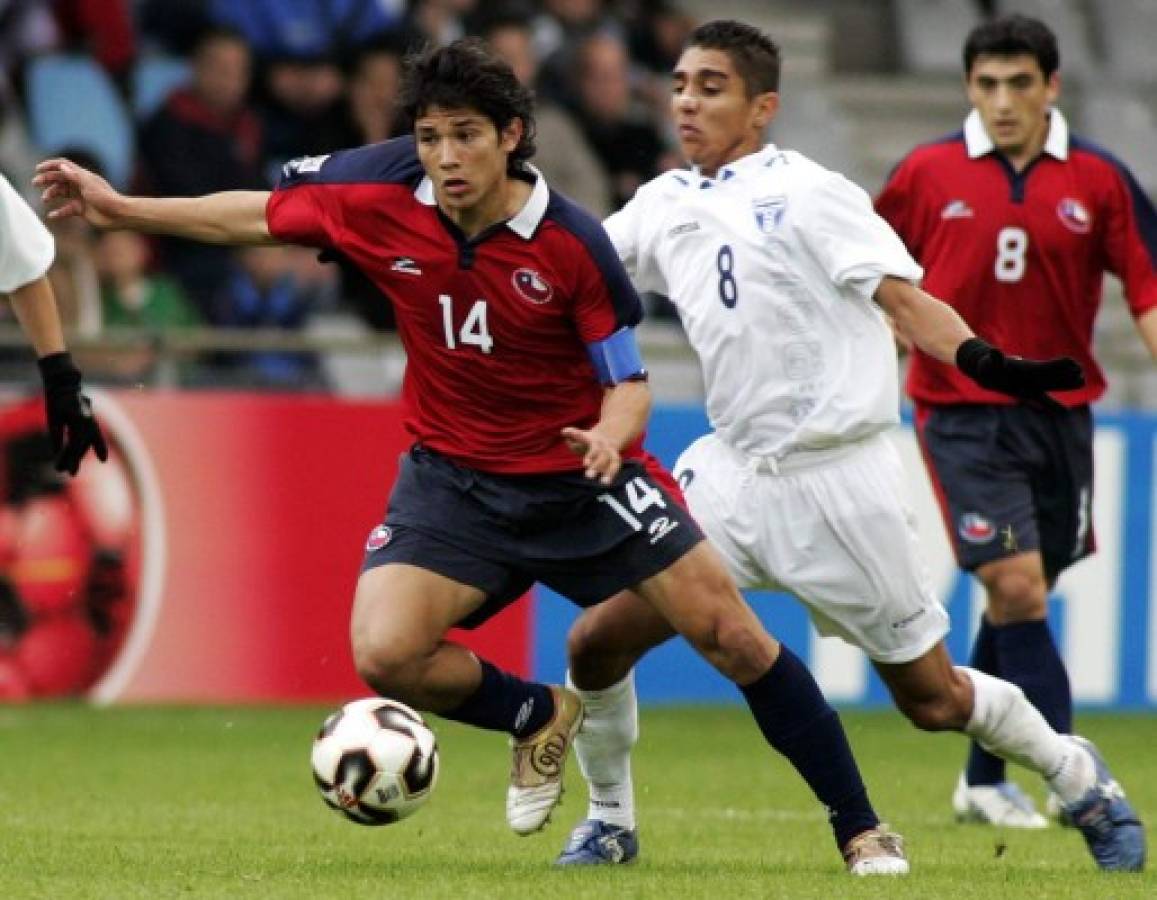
x=184, y=97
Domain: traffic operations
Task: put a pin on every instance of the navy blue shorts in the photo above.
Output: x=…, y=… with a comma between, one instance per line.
x=503, y=533
x=1011, y=479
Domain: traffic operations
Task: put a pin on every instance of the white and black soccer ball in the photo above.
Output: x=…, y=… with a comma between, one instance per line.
x=375, y=761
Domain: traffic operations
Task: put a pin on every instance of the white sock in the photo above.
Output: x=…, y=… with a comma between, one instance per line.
x=1005, y=723
x=603, y=748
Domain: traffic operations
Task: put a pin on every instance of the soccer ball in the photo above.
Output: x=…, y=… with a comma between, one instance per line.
x=375, y=761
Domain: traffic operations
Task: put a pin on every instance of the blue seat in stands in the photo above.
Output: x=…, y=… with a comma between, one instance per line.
x=154, y=78
x=72, y=102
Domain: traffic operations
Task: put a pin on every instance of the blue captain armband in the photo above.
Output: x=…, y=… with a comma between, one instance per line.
x=617, y=358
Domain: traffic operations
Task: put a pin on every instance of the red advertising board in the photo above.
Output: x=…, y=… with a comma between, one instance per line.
x=237, y=523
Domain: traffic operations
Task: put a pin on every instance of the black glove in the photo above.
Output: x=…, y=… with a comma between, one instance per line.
x=71, y=426
x=1025, y=379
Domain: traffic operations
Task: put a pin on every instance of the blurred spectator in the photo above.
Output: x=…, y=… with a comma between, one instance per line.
x=371, y=110
x=172, y=26
x=655, y=38
x=559, y=29
x=308, y=29
x=27, y=28
x=274, y=287
x=656, y=34
x=564, y=156
x=629, y=145
x=104, y=30
x=441, y=21
x=204, y=139
x=302, y=110
x=133, y=297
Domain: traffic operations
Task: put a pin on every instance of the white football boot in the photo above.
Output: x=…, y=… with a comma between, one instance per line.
x=1003, y=804
x=877, y=851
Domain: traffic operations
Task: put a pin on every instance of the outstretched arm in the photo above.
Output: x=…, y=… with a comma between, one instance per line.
x=937, y=329
x=229, y=217
x=922, y=320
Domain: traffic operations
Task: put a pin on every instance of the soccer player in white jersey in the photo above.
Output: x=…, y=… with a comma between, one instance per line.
x=782, y=274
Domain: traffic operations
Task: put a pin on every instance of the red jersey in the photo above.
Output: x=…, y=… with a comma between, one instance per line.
x=495, y=327
x=1021, y=256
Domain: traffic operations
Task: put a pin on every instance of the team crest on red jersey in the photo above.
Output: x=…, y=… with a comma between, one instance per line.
x=1074, y=216
x=531, y=286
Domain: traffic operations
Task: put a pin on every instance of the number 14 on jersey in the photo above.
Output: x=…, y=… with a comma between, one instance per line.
x=474, y=331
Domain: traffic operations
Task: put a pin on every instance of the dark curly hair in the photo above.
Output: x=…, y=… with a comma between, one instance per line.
x=1008, y=35
x=468, y=75
x=754, y=54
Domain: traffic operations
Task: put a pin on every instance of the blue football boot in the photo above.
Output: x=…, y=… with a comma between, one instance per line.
x=1107, y=821
x=595, y=843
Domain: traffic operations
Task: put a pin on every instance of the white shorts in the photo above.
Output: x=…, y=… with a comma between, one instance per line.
x=834, y=528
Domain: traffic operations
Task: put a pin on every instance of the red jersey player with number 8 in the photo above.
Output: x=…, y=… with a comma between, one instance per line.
x=1015, y=221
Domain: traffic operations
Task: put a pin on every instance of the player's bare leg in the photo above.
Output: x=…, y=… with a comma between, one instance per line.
x=938, y=696
x=400, y=618
x=699, y=599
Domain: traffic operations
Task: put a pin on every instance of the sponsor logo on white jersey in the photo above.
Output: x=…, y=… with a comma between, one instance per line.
x=406, y=266
x=683, y=228
x=531, y=286
x=1074, y=216
x=975, y=528
x=768, y=212
x=956, y=209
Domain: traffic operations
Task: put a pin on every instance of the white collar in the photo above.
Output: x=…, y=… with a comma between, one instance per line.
x=745, y=163
x=978, y=142
x=524, y=222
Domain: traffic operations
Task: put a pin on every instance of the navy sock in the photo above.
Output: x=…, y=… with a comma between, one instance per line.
x=798, y=722
x=1028, y=657
x=983, y=767
x=504, y=702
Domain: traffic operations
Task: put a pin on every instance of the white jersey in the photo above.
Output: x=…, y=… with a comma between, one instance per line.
x=772, y=266
x=26, y=246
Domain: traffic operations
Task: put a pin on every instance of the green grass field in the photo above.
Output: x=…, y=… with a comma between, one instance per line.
x=155, y=803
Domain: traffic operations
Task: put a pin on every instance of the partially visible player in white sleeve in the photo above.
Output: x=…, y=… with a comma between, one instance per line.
x=782, y=274
x=26, y=252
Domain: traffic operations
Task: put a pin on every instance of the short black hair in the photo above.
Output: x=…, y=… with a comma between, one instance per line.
x=753, y=53
x=1008, y=35
x=467, y=74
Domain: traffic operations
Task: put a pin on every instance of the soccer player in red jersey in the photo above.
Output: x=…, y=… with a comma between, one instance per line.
x=527, y=398
x=1015, y=221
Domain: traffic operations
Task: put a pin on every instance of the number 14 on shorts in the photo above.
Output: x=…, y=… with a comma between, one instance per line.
x=641, y=496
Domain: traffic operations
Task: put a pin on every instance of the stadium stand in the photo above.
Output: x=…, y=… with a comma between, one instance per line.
x=1068, y=20
x=1127, y=29
x=929, y=33
x=72, y=102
